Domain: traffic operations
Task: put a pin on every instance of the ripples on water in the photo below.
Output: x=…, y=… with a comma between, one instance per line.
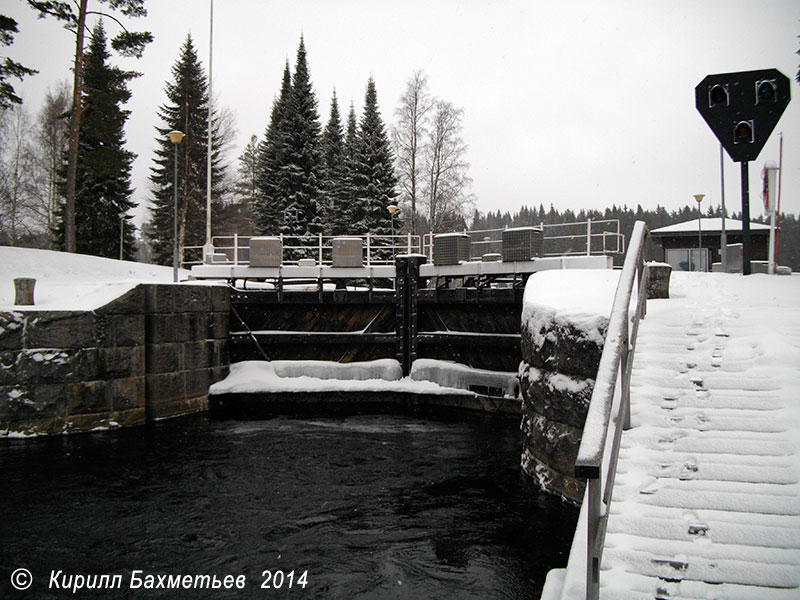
x=372, y=506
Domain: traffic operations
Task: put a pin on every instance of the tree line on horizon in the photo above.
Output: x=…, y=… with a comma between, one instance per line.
x=788, y=237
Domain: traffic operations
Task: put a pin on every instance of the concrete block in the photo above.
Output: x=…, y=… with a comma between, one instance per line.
x=160, y=298
x=265, y=252
x=12, y=326
x=220, y=298
x=174, y=408
x=196, y=355
x=56, y=365
x=60, y=329
x=193, y=298
x=196, y=326
x=130, y=417
x=218, y=325
x=8, y=367
x=127, y=393
x=348, y=252
x=164, y=328
x=87, y=397
x=658, y=280
x=164, y=387
x=164, y=358
x=119, y=363
x=197, y=382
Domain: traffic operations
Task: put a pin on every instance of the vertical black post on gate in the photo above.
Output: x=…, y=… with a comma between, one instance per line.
x=406, y=289
x=742, y=109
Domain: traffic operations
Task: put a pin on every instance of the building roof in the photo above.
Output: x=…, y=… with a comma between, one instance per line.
x=707, y=225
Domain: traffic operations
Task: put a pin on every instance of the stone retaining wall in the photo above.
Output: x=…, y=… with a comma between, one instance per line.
x=556, y=382
x=152, y=353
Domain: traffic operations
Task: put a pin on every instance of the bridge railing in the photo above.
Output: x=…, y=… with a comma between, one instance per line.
x=597, y=453
x=582, y=238
x=377, y=249
x=560, y=239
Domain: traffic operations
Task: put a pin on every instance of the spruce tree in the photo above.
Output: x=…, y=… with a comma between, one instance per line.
x=103, y=176
x=273, y=165
x=186, y=110
x=373, y=178
x=334, y=203
x=304, y=158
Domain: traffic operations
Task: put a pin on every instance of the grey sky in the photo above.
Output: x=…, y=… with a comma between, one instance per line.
x=578, y=104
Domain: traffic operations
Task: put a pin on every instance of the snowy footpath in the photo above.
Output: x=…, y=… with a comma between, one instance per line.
x=706, y=502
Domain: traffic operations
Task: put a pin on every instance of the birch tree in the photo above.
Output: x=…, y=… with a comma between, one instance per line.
x=408, y=136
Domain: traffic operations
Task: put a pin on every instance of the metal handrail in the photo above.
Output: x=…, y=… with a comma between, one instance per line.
x=590, y=234
x=379, y=249
x=615, y=361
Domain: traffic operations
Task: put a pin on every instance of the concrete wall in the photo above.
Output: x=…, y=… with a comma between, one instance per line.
x=149, y=354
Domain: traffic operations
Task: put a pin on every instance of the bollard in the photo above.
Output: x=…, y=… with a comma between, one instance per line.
x=23, y=291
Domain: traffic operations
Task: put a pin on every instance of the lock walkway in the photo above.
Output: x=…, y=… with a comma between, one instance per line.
x=706, y=502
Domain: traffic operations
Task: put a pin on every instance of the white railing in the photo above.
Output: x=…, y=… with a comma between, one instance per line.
x=561, y=239
x=582, y=238
x=616, y=361
x=378, y=249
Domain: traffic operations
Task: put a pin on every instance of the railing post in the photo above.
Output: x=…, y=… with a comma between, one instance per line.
x=369, y=249
x=235, y=249
x=592, y=528
x=588, y=237
x=320, y=249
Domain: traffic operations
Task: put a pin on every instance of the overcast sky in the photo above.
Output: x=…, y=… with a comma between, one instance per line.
x=578, y=104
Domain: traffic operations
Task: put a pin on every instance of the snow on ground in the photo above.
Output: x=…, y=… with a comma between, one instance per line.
x=66, y=281
x=706, y=503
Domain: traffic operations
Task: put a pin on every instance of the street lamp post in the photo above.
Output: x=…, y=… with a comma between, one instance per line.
x=392, y=208
x=699, y=198
x=122, y=216
x=175, y=137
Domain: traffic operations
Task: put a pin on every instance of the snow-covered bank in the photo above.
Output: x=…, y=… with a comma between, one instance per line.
x=66, y=281
x=706, y=501
x=429, y=377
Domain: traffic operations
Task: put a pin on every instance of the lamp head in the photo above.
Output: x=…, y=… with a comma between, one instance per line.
x=392, y=208
x=175, y=136
x=699, y=197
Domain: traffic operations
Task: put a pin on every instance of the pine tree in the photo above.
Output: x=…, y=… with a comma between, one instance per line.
x=187, y=111
x=272, y=181
x=103, y=186
x=373, y=179
x=304, y=157
x=334, y=195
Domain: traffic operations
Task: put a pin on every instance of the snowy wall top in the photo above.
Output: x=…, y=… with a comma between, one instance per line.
x=66, y=281
x=580, y=298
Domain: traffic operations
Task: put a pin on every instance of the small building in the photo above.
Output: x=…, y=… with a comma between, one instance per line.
x=687, y=249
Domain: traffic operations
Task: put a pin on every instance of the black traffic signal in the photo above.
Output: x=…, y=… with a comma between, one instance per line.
x=743, y=108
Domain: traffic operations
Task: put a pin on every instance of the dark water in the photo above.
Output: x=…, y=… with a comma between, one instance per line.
x=368, y=506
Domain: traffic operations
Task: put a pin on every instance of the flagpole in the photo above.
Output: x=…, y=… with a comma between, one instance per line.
x=208, y=249
x=778, y=204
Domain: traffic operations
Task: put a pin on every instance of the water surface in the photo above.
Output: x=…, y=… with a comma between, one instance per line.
x=381, y=506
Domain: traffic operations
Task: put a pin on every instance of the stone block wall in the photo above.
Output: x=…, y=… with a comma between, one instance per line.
x=186, y=350
x=559, y=364
x=151, y=353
